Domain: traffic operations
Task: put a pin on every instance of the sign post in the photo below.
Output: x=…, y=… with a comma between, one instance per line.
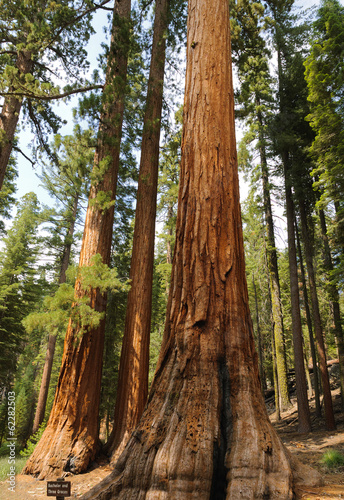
x=59, y=489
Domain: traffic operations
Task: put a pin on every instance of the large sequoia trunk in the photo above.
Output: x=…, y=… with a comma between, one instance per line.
x=205, y=432
x=70, y=441
x=132, y=389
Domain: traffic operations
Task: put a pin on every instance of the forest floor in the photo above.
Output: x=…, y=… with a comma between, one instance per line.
x=309, y=448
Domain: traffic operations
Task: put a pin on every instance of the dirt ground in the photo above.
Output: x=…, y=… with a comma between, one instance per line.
x=309, y=448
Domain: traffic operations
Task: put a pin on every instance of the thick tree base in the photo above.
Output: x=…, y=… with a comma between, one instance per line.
x=112, y=487
x=199, y=439
x=59, y=452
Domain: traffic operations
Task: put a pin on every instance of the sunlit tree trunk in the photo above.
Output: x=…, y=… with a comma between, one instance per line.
x=49, y=358
x=132, y=389
x=259, y=338
x=205, y=432
x=70, y=440
x=9, y=116
x=277, y=314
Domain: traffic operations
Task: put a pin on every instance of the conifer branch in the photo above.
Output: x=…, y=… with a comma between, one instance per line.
x=68, y=93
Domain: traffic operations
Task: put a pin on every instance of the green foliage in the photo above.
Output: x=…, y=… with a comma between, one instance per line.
x=25, y=398
x=32, y=441
x=57, y=309
x=4, y=466
x=43, y=42
x=8, y=190
x=54, y=313
x=20, y=281
x=325, y=79
x=333, y=459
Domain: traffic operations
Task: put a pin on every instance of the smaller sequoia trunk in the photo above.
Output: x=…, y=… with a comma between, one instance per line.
x=49, y=358
x=71, y=438
x=205, y=432
x=132, y=388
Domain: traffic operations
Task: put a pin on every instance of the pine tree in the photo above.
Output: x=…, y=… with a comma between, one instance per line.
x=38, y=37
x=283, y=31
x=257, y=106
x=19, y=282
x=67, y=181
x=324, y=75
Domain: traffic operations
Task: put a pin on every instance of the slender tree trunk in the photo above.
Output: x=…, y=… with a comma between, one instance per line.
x=259, y=338
x=277, y=314
x=334, y=303
x=44, y=388
x=49, y=358
x=328, y=406
x=309, y=325
x=304, y=418
x=10, y=115
x=132, y=389
x=205, y=432
x=70, y=440
x=274, y=362
x=68, y=245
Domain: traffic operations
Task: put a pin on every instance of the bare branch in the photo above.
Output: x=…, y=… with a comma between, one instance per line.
x=31, y=95
x=23, y=154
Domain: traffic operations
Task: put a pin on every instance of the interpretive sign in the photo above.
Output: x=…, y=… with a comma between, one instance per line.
x=58, y=488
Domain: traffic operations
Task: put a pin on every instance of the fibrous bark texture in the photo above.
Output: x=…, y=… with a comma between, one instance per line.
x=132, y=389
x=205, y=432
x=70, y=440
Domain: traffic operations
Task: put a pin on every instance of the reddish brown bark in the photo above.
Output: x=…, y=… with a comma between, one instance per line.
x=10, y=115
x=49, y=358
x=132, y=389
x=205, y=432
x=70, y=440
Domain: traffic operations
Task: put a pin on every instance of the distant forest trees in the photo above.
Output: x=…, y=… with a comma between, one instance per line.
x=85, y=284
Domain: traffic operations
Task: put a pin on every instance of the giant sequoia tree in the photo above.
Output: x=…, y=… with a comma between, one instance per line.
x=70, y=440
x=205, y=431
